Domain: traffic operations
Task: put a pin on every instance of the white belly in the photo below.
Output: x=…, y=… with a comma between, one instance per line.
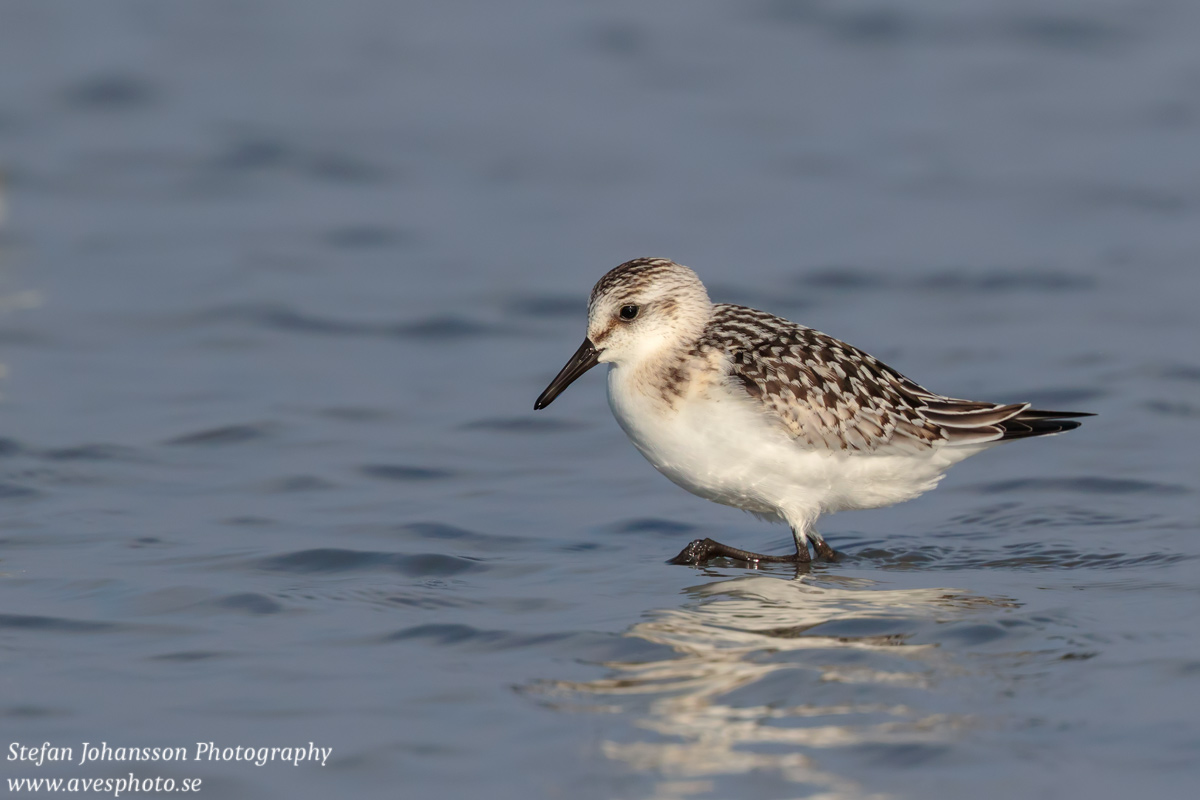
x=727, y=449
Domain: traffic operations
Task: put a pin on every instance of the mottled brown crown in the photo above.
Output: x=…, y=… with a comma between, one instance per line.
x=637, y=274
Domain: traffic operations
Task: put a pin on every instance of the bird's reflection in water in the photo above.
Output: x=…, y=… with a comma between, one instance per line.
x=767, y=674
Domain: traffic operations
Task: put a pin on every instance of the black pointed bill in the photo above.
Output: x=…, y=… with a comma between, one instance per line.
x=586, y=357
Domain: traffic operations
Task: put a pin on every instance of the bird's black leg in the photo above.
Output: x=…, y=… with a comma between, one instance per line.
x=824, y=551
x=702, y=550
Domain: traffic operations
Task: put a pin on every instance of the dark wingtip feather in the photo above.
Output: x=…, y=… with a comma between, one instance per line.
x=1024, y=426
x=1035, y=413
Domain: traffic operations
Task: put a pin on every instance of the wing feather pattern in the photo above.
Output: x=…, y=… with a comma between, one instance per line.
x=829, y=394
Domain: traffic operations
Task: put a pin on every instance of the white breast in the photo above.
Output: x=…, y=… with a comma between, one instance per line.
x=723, y=445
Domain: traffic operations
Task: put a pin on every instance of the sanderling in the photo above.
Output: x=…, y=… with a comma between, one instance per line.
x=756, y=412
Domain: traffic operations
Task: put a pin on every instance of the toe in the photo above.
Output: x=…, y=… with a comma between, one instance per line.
x=826, y=553
x=695, y=553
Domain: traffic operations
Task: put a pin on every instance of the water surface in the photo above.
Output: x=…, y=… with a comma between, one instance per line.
x=278, y=287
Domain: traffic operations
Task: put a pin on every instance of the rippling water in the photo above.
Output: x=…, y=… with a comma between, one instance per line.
x=279, y=284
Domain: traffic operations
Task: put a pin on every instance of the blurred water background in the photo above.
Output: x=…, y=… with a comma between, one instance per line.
x=280, y=280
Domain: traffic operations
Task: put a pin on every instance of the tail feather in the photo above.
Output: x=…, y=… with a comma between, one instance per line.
x=1035, y=422
x=969, y=422
x=1034, y=413
x=948, y=416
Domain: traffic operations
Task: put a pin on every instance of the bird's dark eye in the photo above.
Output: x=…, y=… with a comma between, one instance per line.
x=629, y=312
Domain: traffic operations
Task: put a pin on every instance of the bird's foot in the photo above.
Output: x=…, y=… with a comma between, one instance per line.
x=825, y=552
x=697, y=552
x=701, y=551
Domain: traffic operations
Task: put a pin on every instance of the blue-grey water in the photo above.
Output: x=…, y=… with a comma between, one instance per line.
x=280, y=281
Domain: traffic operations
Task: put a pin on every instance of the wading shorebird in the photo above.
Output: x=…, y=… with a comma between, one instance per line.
x=756, y=412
